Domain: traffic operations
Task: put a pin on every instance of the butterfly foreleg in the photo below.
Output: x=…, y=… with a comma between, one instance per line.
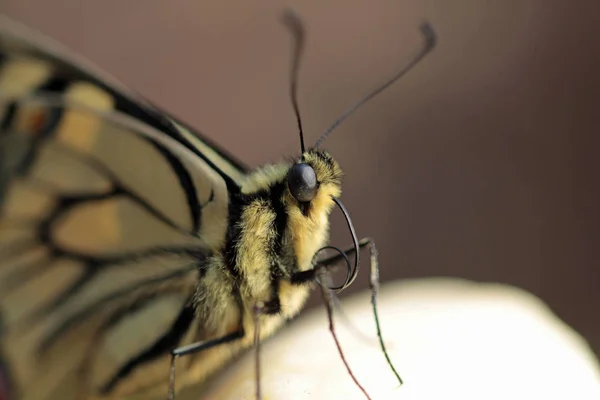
x=197, y=347
x=373, y=284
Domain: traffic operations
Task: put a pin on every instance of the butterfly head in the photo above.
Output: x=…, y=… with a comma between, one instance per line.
x=314, y=182
x=313, y=178
x=311, y=183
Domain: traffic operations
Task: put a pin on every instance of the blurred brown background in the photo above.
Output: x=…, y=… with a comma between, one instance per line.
x=482, y=163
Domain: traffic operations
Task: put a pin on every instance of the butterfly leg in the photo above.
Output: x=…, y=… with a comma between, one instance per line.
x=196, y=347
x=373, y=284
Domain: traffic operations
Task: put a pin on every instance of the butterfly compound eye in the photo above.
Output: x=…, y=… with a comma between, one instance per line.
x=302, y=182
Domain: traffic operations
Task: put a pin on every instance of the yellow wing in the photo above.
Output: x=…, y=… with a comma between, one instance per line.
x=108, y=209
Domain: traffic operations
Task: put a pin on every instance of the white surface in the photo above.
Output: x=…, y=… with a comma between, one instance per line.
x=449, y=339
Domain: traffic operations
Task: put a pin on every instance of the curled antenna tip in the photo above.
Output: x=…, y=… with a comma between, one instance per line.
x=428, y=44
x=429, y=34
x=291, y=19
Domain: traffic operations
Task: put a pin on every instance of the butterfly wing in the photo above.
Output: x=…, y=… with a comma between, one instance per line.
x=108, y=209
x=57, y=67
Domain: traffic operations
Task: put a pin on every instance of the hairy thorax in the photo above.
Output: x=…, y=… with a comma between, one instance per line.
x=275, y=236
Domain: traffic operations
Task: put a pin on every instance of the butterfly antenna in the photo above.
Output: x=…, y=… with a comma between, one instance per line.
x=429, y=43
x=293, y=22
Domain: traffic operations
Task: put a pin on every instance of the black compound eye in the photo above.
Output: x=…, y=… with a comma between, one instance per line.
x=302, y=182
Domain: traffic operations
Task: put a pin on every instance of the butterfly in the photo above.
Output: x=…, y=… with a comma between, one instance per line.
x=132, y=246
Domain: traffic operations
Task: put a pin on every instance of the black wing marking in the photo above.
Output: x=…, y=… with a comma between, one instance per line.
x=19, y=41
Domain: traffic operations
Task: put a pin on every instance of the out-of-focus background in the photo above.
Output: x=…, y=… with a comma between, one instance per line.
x=482, y=163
